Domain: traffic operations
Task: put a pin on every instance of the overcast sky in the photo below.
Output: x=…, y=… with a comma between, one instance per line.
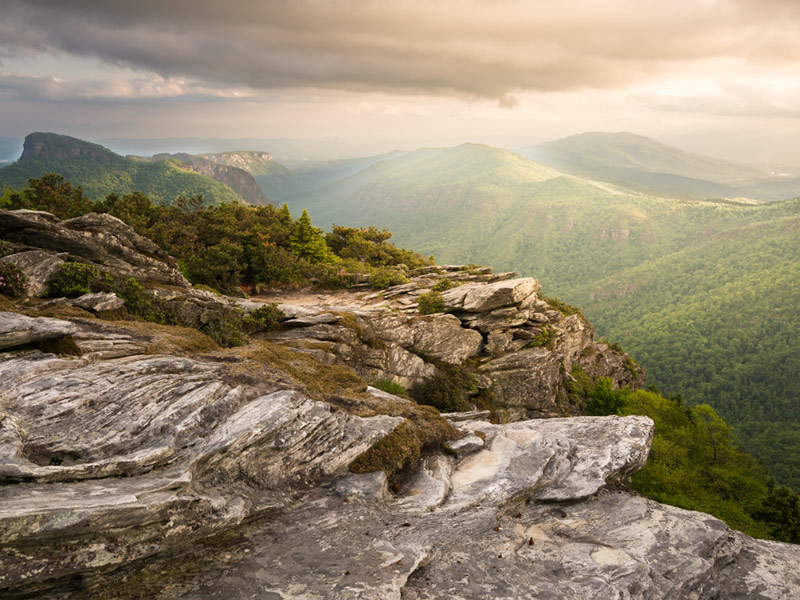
x=721, y=76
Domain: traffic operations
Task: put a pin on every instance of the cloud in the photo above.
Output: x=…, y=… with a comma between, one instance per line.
x=33, y=88
x=467, y=48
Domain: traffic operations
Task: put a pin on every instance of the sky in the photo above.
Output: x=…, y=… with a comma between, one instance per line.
x=714, y=76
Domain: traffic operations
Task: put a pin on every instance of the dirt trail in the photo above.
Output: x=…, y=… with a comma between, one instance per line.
x=312, y=297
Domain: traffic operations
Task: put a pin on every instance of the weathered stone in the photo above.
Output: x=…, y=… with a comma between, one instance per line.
x=438, y=337
x=486, y=297
x=372, y=487
x=199, y=455
x=526, y=383
x=500, y=318
x=18, y=330
x=441, y=337
x=320, y=319
x=498, y=342
x=550, y=459
x=429, y=487
x=96, y=238
x=38, y=266
x=469, y=444
x=99, y=301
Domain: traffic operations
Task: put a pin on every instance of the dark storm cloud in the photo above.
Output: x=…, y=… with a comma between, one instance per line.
x=470, y=48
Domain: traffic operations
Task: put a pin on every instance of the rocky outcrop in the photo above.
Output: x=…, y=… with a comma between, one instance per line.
x=113, y=473
x=19, y=330
x=98, y=239
x=150, y=464
x=38, y=266
x=522, y=349
x=149, y=453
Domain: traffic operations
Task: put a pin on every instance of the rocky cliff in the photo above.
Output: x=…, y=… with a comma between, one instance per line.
x=141, y=461
x=239, y=180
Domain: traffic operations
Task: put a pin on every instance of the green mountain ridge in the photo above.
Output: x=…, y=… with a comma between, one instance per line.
x=101, y=172
x=690, y=287
x=644, y=164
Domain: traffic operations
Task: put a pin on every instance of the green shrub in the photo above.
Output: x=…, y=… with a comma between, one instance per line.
x=448, y=390
x=226, y=330
x=384, y=277
x=12, y=280
x=579, y=386
x=430, y=303
x=143, y=304
x=604, y=400
x=335, y=277
x=442, y=286
x=5, y=249
x=264, y=318
x=562, y=307
x=544, y=338
x=389, y=386
x=72, y=279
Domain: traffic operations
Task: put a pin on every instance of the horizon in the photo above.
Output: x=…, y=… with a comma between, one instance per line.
x=713, y=77
x=294, y=150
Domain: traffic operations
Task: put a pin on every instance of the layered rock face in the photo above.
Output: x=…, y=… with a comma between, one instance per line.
x=112, y=471
x=148, y=463
x=98, y=239
x=523, y=349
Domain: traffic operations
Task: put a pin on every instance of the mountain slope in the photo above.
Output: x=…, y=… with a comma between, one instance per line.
x=702, y=293
x=100, y=171
x=239, y=180
x=296, y=178
x=642, y=163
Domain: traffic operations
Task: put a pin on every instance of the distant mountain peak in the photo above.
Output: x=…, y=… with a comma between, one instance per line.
x=57, y=146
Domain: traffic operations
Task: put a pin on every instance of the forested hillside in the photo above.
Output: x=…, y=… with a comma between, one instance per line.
x=100, y=172
x=644, y=164
x=703, y=293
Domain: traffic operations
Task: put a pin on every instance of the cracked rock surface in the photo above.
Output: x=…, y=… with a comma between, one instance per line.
x=132, y=475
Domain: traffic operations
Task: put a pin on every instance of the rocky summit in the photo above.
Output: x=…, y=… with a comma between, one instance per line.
x=140, y=460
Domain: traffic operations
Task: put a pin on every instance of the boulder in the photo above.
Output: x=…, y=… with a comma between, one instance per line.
x=550, y=459
x=98, y=302
x=438, y=337
x=38, y=266
x=19, y=330
x=95, y=238
x=477, y=297
x=526, y=383
x=441, y=337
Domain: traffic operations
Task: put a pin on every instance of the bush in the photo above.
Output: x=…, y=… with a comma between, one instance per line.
x=448, y=390
x=430, y=303
x=5, y=249
x=72, y=279
x=442, y=286
x=12, y=280
x=545, y=338
x=385, y=277
x=226, y=330
x=264, y=318
x=149, y=307
x=389, y=386
x=604, y=400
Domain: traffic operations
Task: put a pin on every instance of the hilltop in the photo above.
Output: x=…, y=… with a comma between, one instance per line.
x=101, y=172
x=644, y=164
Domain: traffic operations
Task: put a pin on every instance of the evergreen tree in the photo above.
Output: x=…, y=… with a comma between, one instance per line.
x=307, y=241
